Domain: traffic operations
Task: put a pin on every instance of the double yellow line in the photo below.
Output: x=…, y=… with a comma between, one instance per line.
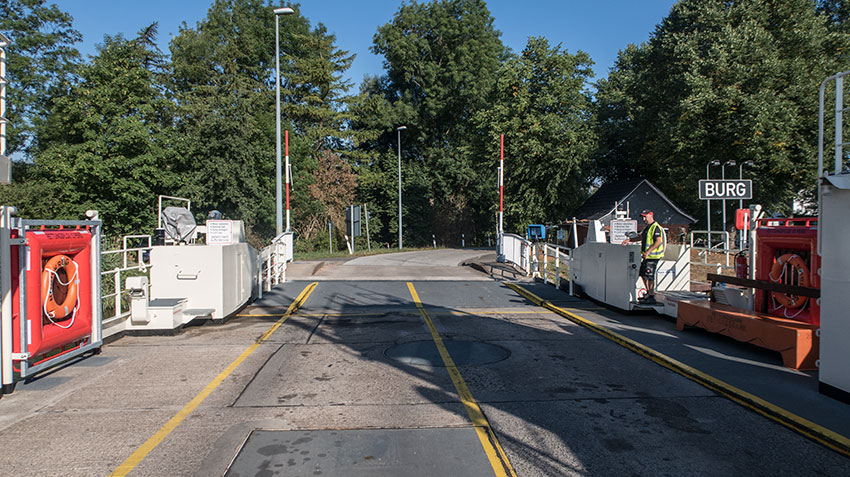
x=824, y=436
x=169, y=426
x=495, y=454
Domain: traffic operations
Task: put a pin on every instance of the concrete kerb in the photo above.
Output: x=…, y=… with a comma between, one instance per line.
x=821, y=435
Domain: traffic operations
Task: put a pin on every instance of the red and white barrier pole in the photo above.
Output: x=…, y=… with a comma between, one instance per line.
x=501, y=183
x=287, y=179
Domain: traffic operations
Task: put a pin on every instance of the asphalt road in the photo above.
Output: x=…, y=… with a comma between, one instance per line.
x=356, y=382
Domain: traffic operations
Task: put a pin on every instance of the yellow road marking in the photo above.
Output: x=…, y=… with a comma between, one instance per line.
x=820, y=434
x=169, y=426
x=458, y=312
x=496, y=455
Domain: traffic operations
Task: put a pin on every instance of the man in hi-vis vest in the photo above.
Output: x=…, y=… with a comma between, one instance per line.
x=652, y=242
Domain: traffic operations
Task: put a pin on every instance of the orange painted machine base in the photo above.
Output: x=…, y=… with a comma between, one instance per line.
x=796, y=341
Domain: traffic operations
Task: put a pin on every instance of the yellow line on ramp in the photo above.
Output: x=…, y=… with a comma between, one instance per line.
x=495, y=454
x=169, y=426
x=820, y=434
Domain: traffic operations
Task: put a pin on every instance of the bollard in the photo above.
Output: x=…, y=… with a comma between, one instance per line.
x=462, y=241
x=434, y=240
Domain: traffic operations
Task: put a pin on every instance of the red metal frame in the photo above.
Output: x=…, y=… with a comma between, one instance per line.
x=774, y=238
x=44, y=336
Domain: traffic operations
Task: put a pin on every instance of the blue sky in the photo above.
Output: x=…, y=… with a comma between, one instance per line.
x=601, y=28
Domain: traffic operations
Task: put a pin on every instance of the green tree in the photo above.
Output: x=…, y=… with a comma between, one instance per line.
x=721, y=80
x=224, y=82
x=441, y=59
x=543, y=107
x=107, y=144
x=41, y=62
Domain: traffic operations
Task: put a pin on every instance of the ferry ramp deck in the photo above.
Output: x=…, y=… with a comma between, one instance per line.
x=413, y=366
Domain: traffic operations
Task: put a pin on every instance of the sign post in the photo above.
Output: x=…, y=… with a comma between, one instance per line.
x=725, y=189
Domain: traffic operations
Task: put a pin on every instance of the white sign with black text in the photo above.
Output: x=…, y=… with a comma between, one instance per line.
x=219, y=232
x=620, y=229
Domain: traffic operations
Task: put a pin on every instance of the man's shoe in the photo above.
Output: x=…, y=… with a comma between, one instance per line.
x=649, y=300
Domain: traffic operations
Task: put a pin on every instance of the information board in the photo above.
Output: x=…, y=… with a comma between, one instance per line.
x=620, y=229
x=219, y=232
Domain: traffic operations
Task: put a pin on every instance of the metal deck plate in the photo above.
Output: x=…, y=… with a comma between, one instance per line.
x=463, y=353
x=362, y=452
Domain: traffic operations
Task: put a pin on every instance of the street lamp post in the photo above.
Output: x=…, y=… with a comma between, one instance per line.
x=708, y=201
x=744, y=237
x=741, y=177
x=278, y=192
x=730, y=162
x=399, y=129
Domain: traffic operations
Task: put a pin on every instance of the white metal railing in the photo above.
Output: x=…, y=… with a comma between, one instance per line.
x=4, y=43
x=556, y=261
x=838, y=140
x=723, y=247
x=517, y=250
x=133, y=259
x=271, y=269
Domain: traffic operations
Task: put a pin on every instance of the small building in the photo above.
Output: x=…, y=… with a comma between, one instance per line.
x=630, y=197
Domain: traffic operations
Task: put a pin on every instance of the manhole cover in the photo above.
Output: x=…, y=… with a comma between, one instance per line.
x=463, y=353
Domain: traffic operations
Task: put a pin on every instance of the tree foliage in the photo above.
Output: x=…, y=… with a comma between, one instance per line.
x=106, y=144
x=41, y=62
x=542, y=105
x=717, y=80
x=721, y=80
x=224, y=81
x=441, y=61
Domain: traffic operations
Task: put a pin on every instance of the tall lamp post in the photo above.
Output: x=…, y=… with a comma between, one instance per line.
x=744, y=237
x=399, y=129
x=730, y=162
x=741, y=177
x=708, y=201
x=278, y=192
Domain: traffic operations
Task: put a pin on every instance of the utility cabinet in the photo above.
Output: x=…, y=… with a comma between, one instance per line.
x=220, y=278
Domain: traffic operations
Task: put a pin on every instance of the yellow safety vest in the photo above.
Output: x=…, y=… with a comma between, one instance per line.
x=659, y=252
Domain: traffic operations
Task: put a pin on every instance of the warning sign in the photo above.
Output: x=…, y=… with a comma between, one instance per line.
x=219, y=232
x=620, y=229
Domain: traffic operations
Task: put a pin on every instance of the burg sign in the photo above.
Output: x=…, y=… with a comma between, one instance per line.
x=711, y=189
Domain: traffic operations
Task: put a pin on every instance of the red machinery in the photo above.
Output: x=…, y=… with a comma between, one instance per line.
x=51, y=328
x=787, y=253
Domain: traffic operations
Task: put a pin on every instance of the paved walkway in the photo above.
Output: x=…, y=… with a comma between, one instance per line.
x=440, y=264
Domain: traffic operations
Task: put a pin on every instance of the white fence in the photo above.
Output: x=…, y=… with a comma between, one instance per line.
x=551, y=263
x=134, y=261
x=516, y=250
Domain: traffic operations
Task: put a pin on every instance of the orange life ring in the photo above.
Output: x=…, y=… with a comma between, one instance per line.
x=778, y=270
x=50, y=271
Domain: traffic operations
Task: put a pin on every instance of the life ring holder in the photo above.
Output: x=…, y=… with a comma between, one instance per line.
x=58, y=311
x=777, y=273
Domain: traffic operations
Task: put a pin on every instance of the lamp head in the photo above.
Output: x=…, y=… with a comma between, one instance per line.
x=401, y=128
x=730, y=163
x=715, y=162
x=283, y=11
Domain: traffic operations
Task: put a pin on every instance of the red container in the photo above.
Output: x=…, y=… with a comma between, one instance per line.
x=775, y=238
x=44, y=335
x=742, y=216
